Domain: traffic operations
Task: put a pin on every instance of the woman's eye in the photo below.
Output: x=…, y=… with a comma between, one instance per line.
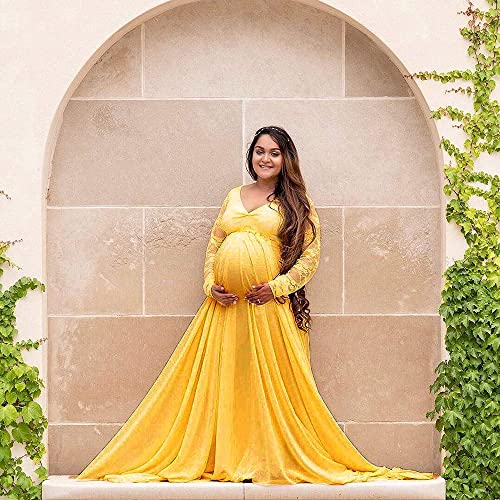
x=275, y=153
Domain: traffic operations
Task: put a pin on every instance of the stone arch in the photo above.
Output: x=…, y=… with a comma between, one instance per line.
x=95, y=229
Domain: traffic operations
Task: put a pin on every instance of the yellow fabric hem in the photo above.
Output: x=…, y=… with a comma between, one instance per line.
x=349, y=476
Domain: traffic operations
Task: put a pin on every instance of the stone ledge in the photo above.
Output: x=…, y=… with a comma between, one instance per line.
x=65, y=488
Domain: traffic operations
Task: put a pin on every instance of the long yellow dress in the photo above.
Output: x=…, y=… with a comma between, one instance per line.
x=237, y=398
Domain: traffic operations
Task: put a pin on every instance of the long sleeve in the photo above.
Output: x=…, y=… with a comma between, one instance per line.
x=217, y=236
x=305, y=266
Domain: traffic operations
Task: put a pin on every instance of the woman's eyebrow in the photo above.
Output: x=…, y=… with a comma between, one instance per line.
x=272, y=149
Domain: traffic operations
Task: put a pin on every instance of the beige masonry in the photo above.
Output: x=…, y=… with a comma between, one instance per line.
x=149, y=138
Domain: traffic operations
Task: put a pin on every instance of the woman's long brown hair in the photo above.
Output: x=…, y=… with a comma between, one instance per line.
x=294, y=208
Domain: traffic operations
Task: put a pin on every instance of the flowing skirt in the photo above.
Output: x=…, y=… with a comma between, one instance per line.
x=237, y=398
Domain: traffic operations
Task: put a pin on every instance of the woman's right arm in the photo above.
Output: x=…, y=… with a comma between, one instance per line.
x=217, y=236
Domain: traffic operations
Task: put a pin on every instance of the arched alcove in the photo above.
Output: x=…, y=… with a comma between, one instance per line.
x=153, y=138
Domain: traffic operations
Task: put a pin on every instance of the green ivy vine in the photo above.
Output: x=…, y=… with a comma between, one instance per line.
x=467, y=402
x=21, y=417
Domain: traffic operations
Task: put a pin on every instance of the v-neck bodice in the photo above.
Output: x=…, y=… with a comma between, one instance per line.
x=255, y=209
x=264, y=220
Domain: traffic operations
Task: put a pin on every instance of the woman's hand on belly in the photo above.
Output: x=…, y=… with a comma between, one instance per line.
x=261, y=292
x=223, y=297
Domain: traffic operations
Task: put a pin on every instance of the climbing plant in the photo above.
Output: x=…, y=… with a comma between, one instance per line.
x=467, y=402
x=21, y=417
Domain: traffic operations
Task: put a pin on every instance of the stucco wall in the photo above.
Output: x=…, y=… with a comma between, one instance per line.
x=52, y=48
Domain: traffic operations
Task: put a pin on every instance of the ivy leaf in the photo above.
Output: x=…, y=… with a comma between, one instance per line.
x=18, y=371
x=485, y=386
x=4, y=437
x=32, y=411
x=5, y=453
x=11, y=397
x=6, y=349
x=494, y=342
x=22, y=433
x=452, y=417
x=20, y=386
x=8, y=414
x=42, y=472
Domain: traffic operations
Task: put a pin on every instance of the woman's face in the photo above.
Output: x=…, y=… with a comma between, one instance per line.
x=267, y=159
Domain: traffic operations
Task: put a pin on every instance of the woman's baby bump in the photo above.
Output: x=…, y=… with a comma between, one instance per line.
x=244, y=259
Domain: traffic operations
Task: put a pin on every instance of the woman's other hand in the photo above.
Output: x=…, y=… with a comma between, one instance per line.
x=261, y=292
x=223, y=297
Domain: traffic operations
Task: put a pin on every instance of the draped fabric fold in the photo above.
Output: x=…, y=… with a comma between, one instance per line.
x=237, y=398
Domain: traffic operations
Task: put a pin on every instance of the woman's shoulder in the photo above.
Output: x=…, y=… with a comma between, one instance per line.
x=230, y=196
x=233, y=190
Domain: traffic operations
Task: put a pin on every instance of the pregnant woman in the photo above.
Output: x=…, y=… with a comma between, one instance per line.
x=237, y=400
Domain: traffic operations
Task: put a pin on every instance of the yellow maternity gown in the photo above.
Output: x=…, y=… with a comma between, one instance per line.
x=237, y=398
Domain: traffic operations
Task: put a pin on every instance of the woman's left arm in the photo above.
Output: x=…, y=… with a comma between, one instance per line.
x=305, y=266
